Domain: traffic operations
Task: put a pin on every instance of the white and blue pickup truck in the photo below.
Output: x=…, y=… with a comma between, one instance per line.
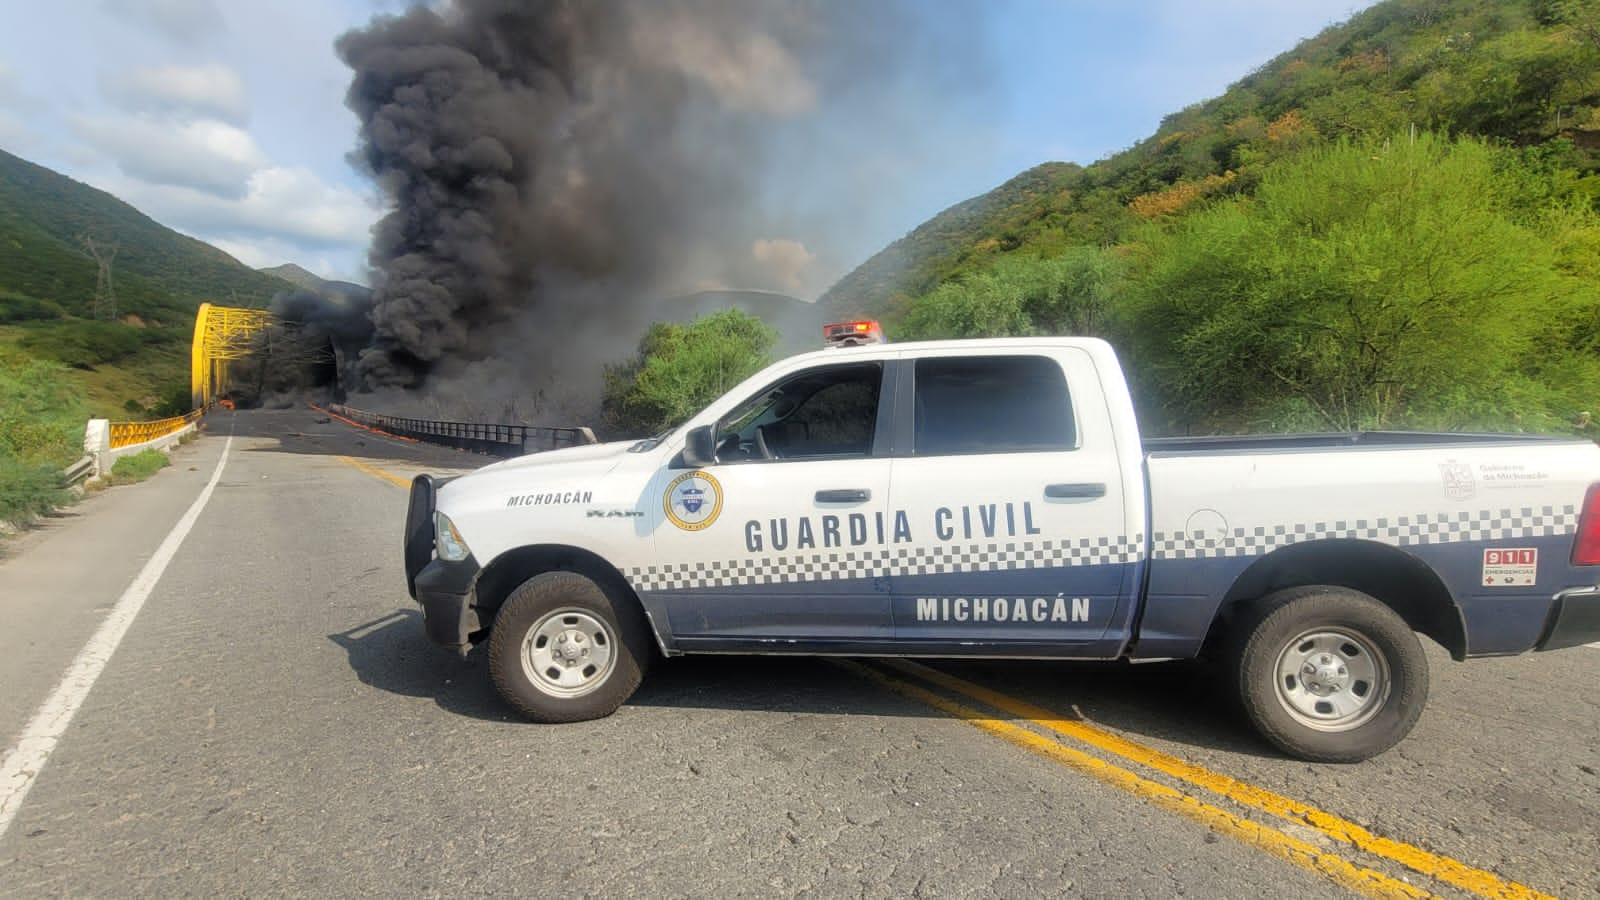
x=993, y=498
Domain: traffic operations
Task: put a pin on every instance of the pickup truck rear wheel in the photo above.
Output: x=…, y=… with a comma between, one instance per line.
x=562, y=650
x=1330, y=674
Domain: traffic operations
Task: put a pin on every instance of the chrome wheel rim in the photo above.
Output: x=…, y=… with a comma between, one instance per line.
x=568, y=653
x=1332, y=679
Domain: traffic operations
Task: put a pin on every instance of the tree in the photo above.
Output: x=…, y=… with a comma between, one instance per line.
x=1369, y=285
x=1067, y=293
x=681, y=368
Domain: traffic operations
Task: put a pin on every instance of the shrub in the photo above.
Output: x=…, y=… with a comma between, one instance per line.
x=1066, y=293
x=29, y=490
x=41, y=430
x=681, y=368
x=137, y=467
x=1370, y=285
x=19, y=308
x=84, y=344
x=41, y=413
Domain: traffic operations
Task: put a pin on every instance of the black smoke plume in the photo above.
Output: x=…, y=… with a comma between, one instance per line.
x=554, y=168
x=304, y=353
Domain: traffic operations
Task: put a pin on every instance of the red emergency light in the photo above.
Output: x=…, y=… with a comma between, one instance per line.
x=850, y=334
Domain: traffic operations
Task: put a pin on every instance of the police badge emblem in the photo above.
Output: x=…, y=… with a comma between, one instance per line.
x=693, y=501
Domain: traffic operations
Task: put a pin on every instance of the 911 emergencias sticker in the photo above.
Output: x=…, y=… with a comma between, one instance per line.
x=1510, y=568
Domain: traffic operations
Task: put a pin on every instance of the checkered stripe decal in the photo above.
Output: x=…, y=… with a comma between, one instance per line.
x=998, y=556
x=838, y=565
x=1399, y=531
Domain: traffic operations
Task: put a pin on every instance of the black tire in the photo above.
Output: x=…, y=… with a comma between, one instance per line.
x=556, y=614
x=1329, y=674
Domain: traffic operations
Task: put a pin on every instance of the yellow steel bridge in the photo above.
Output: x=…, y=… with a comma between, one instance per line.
x=221, y=335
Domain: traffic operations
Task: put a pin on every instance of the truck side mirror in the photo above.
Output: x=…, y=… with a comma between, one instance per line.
x=700, y=447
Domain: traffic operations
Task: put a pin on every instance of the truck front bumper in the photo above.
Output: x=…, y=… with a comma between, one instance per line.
x=1574, y=619
x=445, y=589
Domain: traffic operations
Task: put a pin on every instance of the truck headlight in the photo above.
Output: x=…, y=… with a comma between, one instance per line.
x=447, y=540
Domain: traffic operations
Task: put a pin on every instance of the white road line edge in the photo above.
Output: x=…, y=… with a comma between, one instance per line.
x=24, y=761
x=1595, y=645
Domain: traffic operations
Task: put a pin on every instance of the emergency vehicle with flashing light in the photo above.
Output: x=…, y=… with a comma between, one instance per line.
x=993, y=498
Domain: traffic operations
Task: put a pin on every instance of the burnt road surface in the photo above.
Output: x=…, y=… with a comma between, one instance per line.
x=273, y=722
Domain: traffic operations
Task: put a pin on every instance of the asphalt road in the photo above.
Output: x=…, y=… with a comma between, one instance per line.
x=273, y=722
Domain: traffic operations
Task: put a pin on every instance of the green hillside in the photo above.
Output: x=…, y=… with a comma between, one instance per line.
x=918, y=261
x=136, y=363
x=1302, y=200
x=158, y=273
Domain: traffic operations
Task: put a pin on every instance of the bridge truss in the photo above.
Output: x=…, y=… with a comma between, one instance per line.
x=221, y=334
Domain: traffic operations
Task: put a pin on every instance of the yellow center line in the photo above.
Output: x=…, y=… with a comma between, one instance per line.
x=376, y=472
x=1364, y=881
x=1445, y=869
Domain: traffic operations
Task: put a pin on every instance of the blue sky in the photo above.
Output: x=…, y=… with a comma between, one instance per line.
x=225, y=118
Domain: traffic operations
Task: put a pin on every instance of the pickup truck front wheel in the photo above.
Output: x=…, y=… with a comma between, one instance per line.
x=561, y=650
x=1330, y=674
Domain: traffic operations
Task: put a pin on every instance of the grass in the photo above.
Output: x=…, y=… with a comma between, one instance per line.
x=136, y=468
x=41, y=430
x=29, y=490
x=45, y=402
x=140, y=386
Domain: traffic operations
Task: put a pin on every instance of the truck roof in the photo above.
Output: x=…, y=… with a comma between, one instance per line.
x=969, y=345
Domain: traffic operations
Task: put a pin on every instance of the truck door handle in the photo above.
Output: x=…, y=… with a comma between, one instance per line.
x=844, y=495
x=1081, y=489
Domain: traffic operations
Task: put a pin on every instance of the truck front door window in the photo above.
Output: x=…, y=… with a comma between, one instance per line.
x=828, y=413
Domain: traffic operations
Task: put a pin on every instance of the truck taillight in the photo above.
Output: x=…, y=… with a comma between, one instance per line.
x=1586, y=547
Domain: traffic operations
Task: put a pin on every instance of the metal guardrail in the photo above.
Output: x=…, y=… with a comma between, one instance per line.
x=127, y=434
x=493, y=439
x=78, y=471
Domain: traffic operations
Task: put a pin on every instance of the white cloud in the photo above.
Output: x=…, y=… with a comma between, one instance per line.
x=10, y=89
x=266, y=252
x=223, y=119
x=13, y=95
x=15, y=137
x=296, y=201
x=180, y=20
x=260, y=253
x=211, y=91
x=288, y=205
x=205, y=155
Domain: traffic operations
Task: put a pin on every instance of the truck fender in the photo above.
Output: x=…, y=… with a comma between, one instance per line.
x=1398, y=579
x=511, y=568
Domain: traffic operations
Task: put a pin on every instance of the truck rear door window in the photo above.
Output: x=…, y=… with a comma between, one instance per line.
x=992, y=404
